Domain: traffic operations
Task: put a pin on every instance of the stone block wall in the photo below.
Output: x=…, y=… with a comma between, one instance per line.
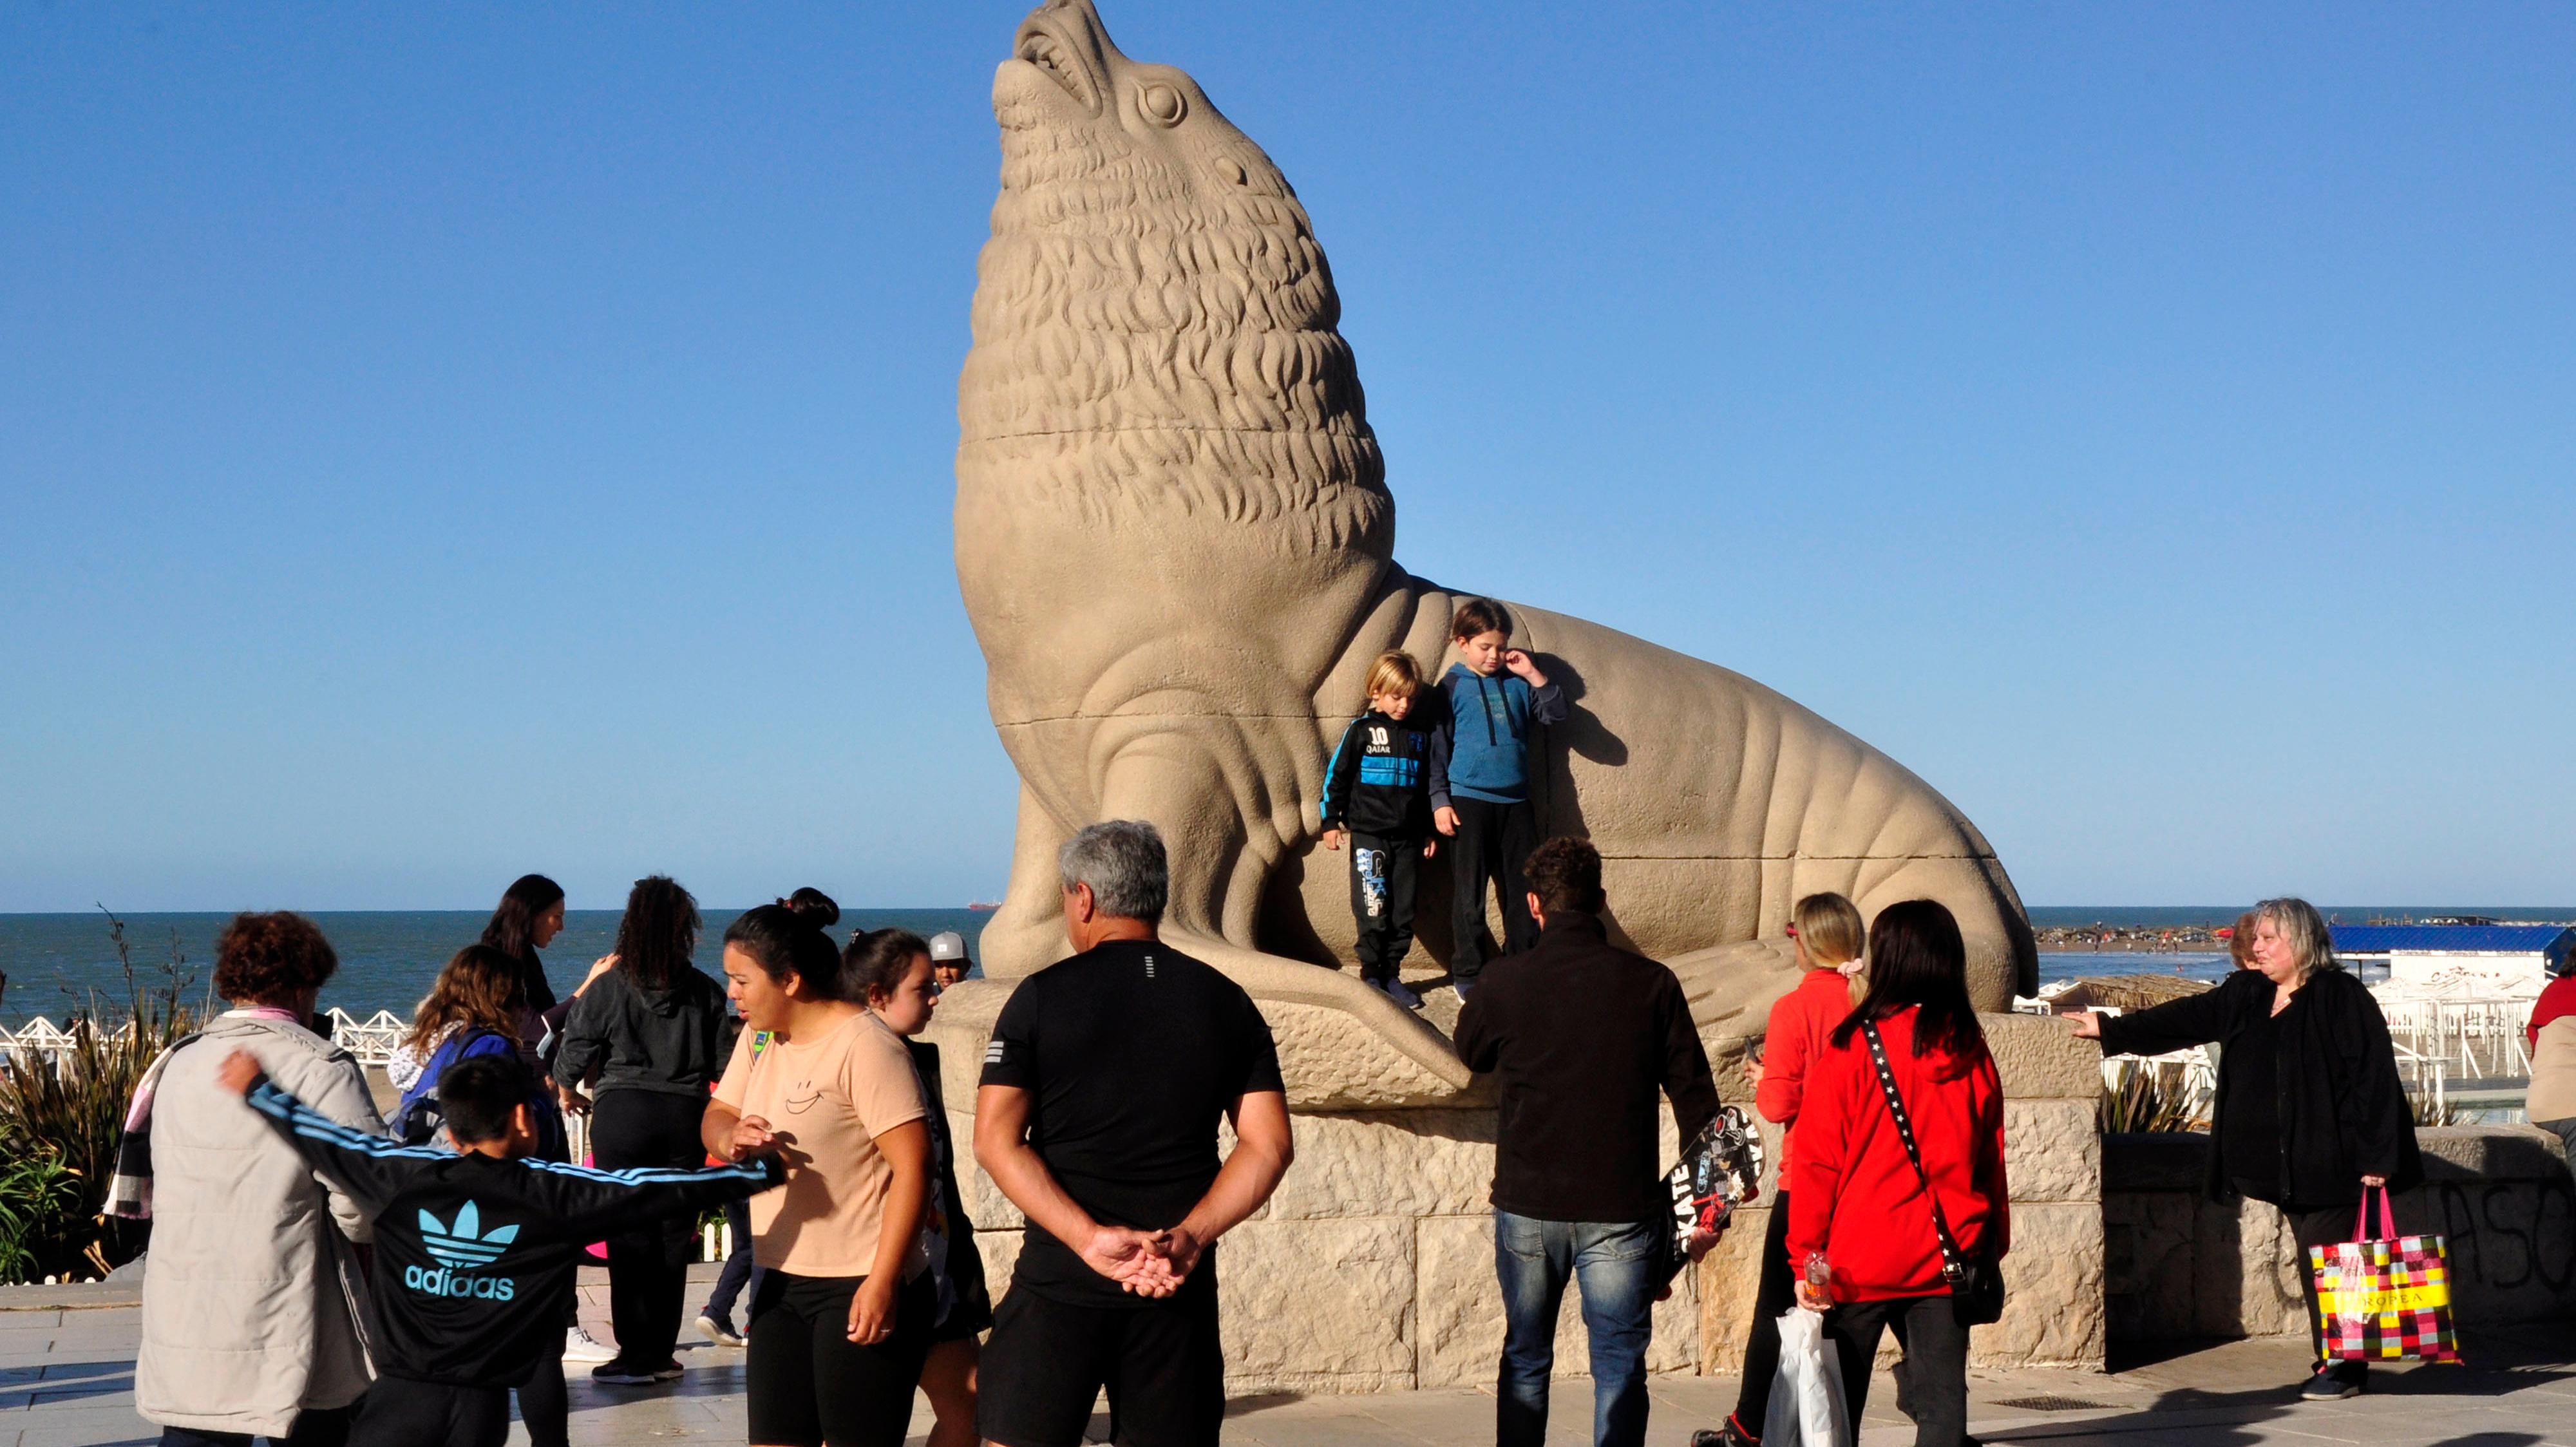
x=1372, y=1268
x=2183, y=1266
x=2053, y=1165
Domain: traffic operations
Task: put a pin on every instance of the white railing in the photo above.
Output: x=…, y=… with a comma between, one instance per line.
x=372, y=1040
x=2473, y=1039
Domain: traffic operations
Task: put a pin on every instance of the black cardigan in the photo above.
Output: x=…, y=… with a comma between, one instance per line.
x=2342, y=1110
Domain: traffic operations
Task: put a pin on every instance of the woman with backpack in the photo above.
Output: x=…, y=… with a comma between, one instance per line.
x=474, y=1009
x=1897, y=1216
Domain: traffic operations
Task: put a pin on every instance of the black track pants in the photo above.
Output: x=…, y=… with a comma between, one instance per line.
x=1493, y=842
x=1383, y=874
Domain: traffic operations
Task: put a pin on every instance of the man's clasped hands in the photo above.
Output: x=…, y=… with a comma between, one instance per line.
x=1147, y=1263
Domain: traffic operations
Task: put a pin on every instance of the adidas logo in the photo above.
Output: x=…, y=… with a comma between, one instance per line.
x=459, y=1246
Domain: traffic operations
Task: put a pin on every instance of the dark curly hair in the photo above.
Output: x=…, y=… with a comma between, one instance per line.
x=658, y=932
x=269, y=959
x=1565, y=874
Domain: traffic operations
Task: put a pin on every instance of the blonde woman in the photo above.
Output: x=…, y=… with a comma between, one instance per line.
x=2310, y=1112
x=1825, y=930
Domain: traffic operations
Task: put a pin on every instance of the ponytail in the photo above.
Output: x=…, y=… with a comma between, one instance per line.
x=785, y=941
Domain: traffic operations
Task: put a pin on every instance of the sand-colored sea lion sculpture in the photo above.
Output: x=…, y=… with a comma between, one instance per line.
x=1177, y=549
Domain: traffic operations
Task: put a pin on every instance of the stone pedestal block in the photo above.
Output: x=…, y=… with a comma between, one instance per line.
x=1461, y=1341
x=2052, y=1151
x=1319, y=1305
x=2039, y=1058
x=2052, y=1291
x=1414, y=1163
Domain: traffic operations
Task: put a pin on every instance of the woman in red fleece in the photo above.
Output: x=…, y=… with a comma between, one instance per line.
x=1854, y=1196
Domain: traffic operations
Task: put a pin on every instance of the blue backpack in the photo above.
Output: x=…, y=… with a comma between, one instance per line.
x=418, y=1121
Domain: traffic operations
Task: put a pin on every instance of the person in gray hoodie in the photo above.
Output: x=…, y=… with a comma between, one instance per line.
x=254, y=1308
x=644, y=1038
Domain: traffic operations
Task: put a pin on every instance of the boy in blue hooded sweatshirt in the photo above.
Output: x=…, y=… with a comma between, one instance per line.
x=1495, y=693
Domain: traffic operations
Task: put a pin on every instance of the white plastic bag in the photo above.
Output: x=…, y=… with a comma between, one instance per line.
x=1807, y=1393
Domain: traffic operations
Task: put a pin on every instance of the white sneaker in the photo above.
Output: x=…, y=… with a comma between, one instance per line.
x=720, y=1332
x=581, y=1346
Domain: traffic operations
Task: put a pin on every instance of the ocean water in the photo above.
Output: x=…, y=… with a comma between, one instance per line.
x=53, y=962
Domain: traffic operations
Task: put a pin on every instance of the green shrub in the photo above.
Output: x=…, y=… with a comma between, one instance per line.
x=2152, y=1096
x=70, y=1108
x=39, y=1199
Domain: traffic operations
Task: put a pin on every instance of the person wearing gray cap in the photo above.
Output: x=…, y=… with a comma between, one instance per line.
x=948, y=959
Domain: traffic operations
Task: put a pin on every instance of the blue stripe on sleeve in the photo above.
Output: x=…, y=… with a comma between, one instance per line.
x=648, y=1175
x=269, y=1100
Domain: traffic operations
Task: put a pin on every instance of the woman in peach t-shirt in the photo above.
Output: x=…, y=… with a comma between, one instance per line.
x=838, y=1332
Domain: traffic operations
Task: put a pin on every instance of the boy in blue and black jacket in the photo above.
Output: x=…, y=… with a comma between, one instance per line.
x=475, y=1246
x=1495, y=693
x=1380, y=789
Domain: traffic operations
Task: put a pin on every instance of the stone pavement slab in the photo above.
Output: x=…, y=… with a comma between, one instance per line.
x=67, y=1380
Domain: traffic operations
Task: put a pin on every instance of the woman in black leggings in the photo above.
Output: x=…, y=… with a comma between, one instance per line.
x=643, y=1036
x=844, y=1314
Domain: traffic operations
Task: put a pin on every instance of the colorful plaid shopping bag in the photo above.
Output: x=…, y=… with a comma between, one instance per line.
x=2384, y=1299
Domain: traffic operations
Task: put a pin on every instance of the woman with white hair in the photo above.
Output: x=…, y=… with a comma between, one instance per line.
x=2310, y=1113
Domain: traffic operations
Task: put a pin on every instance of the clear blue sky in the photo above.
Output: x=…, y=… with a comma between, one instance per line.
x=438, y=442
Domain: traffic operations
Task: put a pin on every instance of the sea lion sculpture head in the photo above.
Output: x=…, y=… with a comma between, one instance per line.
x=1169, y=501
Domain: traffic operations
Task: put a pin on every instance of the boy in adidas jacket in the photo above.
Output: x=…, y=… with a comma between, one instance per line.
x=475, y=1247
x=1380, y=788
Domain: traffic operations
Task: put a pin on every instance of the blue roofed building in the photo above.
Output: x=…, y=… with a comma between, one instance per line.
x=2503, y=961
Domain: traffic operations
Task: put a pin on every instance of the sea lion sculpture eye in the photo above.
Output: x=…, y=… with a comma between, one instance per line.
x=1162, y=104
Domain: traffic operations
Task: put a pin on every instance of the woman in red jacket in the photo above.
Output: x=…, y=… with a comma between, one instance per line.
x=1855, y=1198
x=1826, y=932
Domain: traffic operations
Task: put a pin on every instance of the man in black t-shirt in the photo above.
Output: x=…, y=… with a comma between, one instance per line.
x=1103, y=1086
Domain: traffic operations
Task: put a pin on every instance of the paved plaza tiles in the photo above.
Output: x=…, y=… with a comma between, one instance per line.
x=67, y=1380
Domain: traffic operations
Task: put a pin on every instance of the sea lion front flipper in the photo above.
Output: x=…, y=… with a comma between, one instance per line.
x=1342, y=1045
x=1027, y=932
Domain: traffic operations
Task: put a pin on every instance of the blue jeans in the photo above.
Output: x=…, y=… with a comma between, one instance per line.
x=739, y=1269
x=1614, y=1265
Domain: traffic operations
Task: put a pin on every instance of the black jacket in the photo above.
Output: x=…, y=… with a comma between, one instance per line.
x=965, y=1264
x=2342, y=1109
x=661, y=1040
x=1582, y=1034
x=1383, y=777
x=474, y=1256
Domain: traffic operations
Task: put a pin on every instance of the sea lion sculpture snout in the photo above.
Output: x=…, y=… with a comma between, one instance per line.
x=1176, y=545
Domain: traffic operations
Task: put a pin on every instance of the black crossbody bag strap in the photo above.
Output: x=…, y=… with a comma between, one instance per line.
x=1954, y=1265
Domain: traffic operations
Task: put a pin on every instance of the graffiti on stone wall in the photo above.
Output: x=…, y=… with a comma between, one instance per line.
x=2509, y=1236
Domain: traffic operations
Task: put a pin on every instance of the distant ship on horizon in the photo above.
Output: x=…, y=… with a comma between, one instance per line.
x=983, y=906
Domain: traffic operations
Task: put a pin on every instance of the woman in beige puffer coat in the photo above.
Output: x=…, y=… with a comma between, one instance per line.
x=253, y=1303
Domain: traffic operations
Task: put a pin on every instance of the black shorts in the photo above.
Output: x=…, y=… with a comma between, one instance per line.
x=399, y=1412
x=807, y=1384
x=1047, y=1361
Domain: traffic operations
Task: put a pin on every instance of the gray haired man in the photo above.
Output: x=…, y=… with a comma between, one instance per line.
x=1103, y=1086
